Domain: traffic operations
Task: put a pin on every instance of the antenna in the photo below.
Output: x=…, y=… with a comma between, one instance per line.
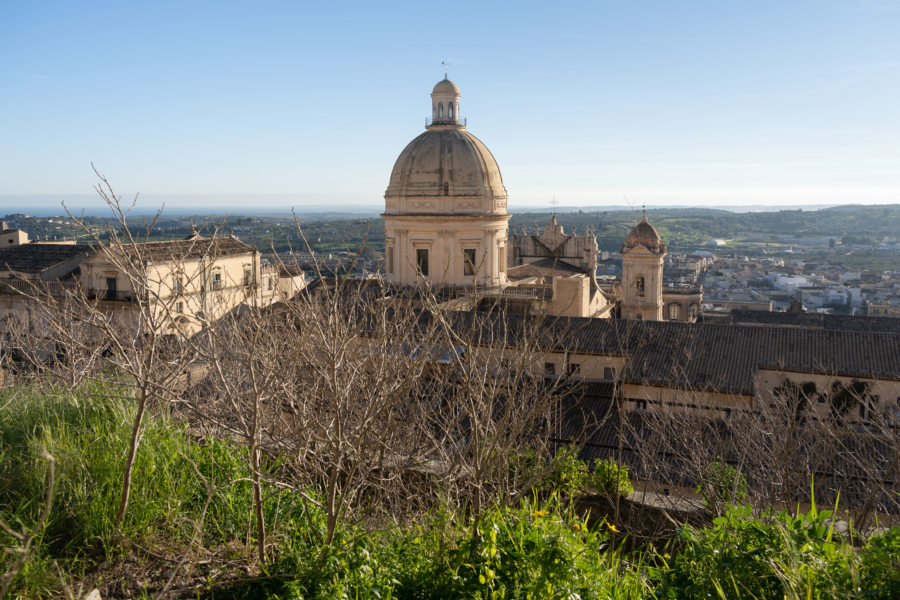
x=554, y=204
x=445, y=63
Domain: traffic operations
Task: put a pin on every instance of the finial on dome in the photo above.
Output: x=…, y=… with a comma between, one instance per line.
x=644, y=211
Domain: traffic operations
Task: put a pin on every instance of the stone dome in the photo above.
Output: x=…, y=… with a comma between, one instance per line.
x=446, y=164
x=645, y=234
x=445, y=86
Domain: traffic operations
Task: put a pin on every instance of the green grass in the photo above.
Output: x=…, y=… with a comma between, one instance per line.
x=539, y=549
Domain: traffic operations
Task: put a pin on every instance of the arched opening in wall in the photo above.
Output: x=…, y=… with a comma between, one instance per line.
x=674, y=312
x=440, y=111
x=639, y=284
x=450, y=110
x=695, y=310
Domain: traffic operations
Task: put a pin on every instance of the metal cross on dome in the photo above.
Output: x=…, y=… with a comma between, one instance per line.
x=445, y=63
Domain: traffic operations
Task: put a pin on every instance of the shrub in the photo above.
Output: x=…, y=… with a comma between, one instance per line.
x=720, y=485
x=610, y=478
x=564, y=474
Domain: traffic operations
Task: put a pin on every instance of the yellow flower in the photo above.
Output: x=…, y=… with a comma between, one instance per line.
x=612, y=528
x=539, y=513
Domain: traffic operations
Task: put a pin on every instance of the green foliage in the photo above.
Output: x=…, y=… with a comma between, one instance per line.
x=610, y=479
x=722, y=485
x=564, y=474
x=779, y=556
x=541, y=549
x=533, y=551
x=88, y=435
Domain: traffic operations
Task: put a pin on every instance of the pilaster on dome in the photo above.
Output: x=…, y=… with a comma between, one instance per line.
x=445, y=107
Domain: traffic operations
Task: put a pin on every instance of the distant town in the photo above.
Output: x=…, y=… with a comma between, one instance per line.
x=841, y=260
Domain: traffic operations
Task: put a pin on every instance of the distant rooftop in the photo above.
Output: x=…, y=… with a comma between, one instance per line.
x=36, y=257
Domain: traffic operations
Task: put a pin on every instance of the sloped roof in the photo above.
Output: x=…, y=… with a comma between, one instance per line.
x=36, y=258
x=721, y=358
x=823, y=321
x=194, y=247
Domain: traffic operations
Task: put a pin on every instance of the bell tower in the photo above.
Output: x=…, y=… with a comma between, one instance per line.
x=643, y=254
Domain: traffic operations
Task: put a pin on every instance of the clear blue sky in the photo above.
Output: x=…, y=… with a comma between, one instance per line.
x=244, y=104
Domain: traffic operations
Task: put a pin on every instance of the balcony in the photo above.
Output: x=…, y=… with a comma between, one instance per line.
x=444, y=121
x=55, y=289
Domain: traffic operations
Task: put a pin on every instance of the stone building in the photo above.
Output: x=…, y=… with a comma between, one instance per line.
x=445, y=216
x=643, y=254
x=184, y=283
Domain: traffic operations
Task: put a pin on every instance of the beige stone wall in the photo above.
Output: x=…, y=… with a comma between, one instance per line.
x=695, y=402
x=13, y=237
x=646, y=304
x=446, y=239
x=686, y=307
x=883, y=391
x=185, y=293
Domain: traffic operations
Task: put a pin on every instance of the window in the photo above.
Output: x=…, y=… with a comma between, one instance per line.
x=867, y=407
x=502, y=254
x=549, y=368
x=217, y=281
x=573, y=369
x=450, y=110
x=609, y=373
x=110, y=288
x=440, y=111
x=469, y=261
x=248, y=277
x=674, y=312
x=446, y=189
x=639, y=284
x=422, y=261
x=640, y=404
x=389, y=261
x=179, y=307
x=178, y=287
x=271, y=283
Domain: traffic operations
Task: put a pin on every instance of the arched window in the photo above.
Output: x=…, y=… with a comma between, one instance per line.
x=674, y=312
x=450, y=110
x=440, y=111
x=639, y=284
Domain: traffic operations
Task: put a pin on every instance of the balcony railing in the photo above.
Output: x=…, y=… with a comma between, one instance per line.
x=55, y=289
x=445, y=121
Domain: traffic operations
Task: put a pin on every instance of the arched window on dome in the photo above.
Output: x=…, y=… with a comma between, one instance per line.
x=639, y=284
x=440, y=111
x=450, y=110
x=674, y=312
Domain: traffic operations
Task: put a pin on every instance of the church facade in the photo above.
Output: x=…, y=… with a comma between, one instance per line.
x=447, y=227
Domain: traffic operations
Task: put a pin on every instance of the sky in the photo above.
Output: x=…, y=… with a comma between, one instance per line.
x=242, y=106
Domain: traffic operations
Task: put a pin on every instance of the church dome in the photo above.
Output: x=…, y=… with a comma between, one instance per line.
x=447, y=163
x=645, y=234
x=445, y=86
x=446, y=169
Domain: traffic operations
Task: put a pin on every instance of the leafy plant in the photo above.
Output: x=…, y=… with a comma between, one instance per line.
x=721, y=485
x=610, y=478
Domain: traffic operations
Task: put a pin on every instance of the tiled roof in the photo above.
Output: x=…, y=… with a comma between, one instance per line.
x=822, y=321
x=35, y=257
x=544, y=267
x=189, y=248
x=721, y=358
